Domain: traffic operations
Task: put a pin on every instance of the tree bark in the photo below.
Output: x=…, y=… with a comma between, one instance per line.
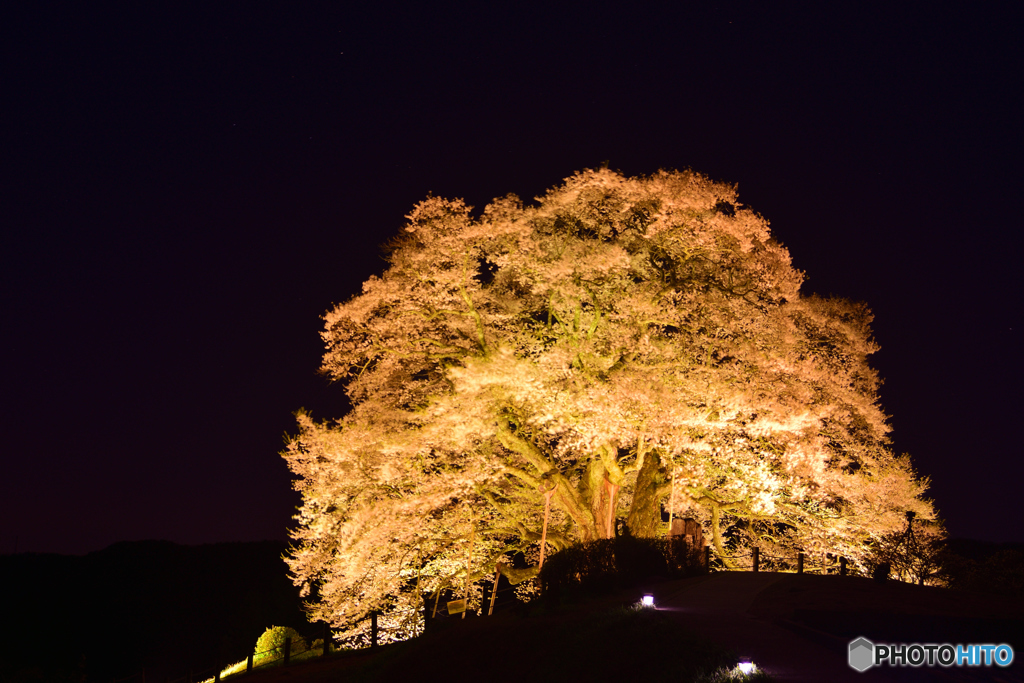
x=605, y=498
x=644, y=520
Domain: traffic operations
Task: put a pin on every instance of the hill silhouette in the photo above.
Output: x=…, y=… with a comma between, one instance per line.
x=150, y=605
x=168, y=609
x=797, y=628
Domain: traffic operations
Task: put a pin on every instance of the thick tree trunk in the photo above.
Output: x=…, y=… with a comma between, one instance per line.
x=644, y=520
x=606, y=500
x=601, y=493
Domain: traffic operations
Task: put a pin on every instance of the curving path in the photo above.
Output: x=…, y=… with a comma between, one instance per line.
x=764, y=616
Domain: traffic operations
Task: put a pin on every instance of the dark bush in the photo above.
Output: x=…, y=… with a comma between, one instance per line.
x=615, y=563
x=1000, y=571
x=911, y=555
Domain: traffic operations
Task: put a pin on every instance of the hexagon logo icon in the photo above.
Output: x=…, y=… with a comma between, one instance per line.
x=862, y=654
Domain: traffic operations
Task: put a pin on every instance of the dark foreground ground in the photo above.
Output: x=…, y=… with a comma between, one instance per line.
x=796, y=628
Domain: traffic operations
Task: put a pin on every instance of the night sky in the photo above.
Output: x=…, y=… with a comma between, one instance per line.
x=186, y=188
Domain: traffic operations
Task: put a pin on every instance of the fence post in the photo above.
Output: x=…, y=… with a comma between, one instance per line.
x=800, y=563
x=373, y=629
x=757, y=558
x=248, y=664
x=842, y=566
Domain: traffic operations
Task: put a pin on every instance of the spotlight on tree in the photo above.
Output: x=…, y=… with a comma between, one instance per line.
x=746, y=666
x=648, y=600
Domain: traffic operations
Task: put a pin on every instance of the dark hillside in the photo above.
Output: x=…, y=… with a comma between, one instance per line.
x=797, y=628
x=165, y=608
x=150, y=605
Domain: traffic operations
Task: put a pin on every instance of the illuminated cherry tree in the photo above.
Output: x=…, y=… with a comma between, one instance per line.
x=625, y=345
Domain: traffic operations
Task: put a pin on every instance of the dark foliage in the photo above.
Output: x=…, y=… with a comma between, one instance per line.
x=611, y=564
x=984, y=567
x=912, y=556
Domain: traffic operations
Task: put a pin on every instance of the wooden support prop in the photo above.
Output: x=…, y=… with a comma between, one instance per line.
x=707, y=557
x=287, y=650
x=672, y=501
x=757, y=558
x=800, y=563
x=494, y=592
x=373, y=629
x=327, y=639
x=612, y=490
x=469, y=557
x=842, y=566
x=544, y=531
x=248, y=664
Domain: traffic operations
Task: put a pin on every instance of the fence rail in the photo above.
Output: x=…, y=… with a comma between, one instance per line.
x=800, y=560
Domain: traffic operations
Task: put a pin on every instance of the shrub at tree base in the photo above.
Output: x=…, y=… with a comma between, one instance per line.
x=270, y=645
x=614, y=563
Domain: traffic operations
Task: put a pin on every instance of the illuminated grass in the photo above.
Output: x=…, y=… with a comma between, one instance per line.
x=267, y=662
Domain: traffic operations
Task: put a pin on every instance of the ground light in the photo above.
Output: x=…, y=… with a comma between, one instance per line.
x=648, y=600
x=746, y=666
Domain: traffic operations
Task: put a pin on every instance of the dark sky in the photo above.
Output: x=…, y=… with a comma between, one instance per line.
x=186, y=188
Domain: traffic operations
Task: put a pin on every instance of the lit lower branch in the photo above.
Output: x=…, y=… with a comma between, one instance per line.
x=566, y=496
